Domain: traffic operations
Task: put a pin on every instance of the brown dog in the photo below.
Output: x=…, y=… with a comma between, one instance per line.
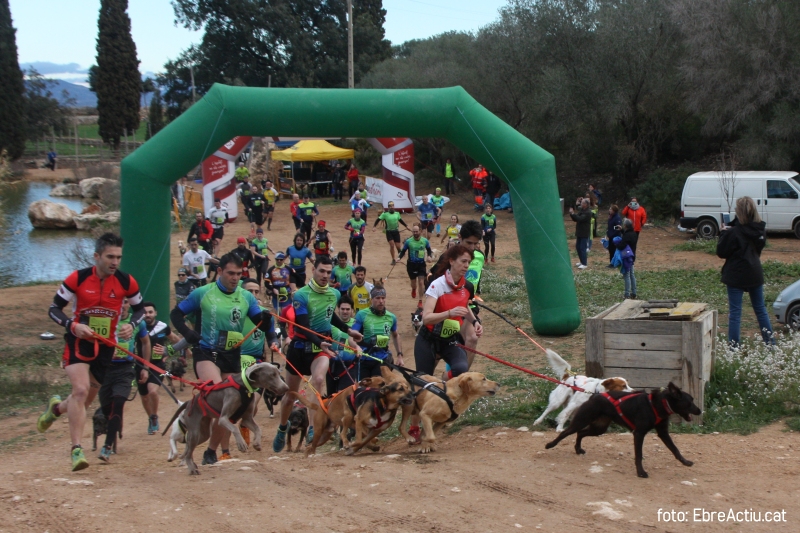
x=373, y=412
x=331, y=412
x=434, y=412
x=197, y=418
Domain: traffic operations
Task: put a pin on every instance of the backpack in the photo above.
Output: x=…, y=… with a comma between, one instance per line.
x=627, y=257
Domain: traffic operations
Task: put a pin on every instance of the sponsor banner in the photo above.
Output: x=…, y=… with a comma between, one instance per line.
x=397, y=159
x=218, y=172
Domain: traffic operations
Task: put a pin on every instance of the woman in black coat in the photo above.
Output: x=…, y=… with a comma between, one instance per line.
x=740, y=245
x=614, y=230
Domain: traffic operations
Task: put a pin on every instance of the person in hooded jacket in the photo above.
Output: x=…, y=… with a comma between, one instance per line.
x=628, y=238
x=740, y=244
x=614, y=230
x=636, y=213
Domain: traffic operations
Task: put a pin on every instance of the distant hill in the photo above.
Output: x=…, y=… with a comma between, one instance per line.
x=82, y=95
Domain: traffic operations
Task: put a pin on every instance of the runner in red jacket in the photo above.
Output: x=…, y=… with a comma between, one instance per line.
x=96, y=294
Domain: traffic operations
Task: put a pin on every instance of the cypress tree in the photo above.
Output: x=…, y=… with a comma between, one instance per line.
x=117, y=81
x=12, y=88
x=155, y=117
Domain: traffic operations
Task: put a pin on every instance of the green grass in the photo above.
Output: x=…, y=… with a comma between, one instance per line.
x=708, y=246
x=90, y=131
x=22, y=381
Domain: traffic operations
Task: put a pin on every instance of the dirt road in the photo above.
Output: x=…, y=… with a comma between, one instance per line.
x=500, y=479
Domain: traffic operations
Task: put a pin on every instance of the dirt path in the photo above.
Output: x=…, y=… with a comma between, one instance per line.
x=494, y=480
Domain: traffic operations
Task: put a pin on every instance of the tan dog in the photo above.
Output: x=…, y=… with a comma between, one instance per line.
x=373, y=412
x=434, y=412
x=333, y=409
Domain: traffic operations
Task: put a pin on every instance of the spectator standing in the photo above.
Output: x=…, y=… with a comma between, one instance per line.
x=583, y=223
x=594, y=190
x=740, y=245
x=614, y=229
x=352, y=179
x=628, y=238
x=479, y=184
x=449, y=177
x=52, y=160
x=636, y=213
x=337, y=181
x=493, y=186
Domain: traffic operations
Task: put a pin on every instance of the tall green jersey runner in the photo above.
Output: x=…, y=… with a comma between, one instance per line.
x=376, y=329
x=260, y=245
x=356, y=228
x=318, y=303
x=416, y=249
x=392, y=220
x=222, y=315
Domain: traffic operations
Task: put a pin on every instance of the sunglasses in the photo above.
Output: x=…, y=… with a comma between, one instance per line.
x=181, y=275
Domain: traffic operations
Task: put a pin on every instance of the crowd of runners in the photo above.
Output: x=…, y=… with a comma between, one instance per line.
x=307, y=306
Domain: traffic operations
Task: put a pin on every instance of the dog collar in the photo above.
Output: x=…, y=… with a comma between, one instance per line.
x=246, y=382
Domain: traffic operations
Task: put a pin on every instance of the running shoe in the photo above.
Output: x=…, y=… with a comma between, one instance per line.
x=79, y=461
x=279, y=442
x=310, y=435
x=492, y=259
x=245, y=434
x=209, y=457
x=105, y=454
x=225, y=456
x=394, y=262
x=415, y=433
x=47, y=418
x=413, y=293
x=152, y=428
x=582, y=267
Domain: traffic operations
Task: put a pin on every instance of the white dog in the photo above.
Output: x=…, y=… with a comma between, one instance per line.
x=177, y=436
x=562, y=394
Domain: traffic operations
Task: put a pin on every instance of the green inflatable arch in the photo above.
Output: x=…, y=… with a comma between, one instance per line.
x=449, y=113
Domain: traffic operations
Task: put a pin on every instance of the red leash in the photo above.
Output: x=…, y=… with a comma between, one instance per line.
x=146, y=363
x=523, y=369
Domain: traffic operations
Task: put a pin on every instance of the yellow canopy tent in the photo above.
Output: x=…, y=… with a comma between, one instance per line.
x=312, y=150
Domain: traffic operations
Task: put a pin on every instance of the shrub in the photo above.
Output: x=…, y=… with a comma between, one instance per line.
x=660, y=192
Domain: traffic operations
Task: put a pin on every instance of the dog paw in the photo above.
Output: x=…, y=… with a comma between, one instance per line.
x=242, y=446
x=194, y=472
x=687, y=462
x=580, y=451
x=643, y=474
x=549, y=445
x=257, y=446
x=349, y=451
x=374, y=448
x=411, y=441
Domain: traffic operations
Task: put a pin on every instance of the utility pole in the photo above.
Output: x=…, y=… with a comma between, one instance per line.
x=194, y=94
x=350, y=77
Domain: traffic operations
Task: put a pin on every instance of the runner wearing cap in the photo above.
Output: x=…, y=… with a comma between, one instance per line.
x=183, y=286
x=323, y=245
x=259, y=247
x=277, y=282
x=308, y=212
x=356, y=227
x=392, y=219
x=244, y=254
x=427, y=213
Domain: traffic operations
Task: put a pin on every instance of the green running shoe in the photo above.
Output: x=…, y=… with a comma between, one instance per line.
x=279, y=442
x=48, y=417
x=105, y=454
x=79, y=461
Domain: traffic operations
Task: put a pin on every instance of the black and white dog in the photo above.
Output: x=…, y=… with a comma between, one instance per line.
x=416, y=320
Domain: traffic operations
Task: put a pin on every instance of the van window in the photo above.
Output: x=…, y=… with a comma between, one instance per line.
x=780, y=189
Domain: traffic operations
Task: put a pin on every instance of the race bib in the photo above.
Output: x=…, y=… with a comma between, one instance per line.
x=228, y=339
x=420, y=254
x=428, y=216
x=100, y=325
x=450, y=327
x=382, y=341
x=296, y=262
x=257, y=203
x=323, y=245
x=119, y=354
x=156, y=356
x=315, y=348
x=220, y=220
x=247, y=361
x=198, y=269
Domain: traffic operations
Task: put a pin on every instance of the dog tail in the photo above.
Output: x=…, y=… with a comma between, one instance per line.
x=304, y=400
x=180, y=409
x=559, y=366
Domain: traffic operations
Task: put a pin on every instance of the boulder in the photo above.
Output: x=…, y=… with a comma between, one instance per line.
x=87, y=222
x=69, y=189
x=50, y=215
x=90, y=187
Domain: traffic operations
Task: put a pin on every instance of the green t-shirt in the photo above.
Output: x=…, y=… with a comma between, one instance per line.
x=476, y=268
x=416, y=249
x=318, y=306
x=129, y=344
x=254, y=345
x=260, y=245
x=358, y=228
x=343, y=276
x=376, y=327
x=222, y=315
x=489, y=221
x=392, y=220
x=241, y=174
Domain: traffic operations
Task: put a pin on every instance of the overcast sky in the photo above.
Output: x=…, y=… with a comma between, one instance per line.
x=64, y=32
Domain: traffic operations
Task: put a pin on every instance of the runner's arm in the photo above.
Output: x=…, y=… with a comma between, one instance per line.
x=178, y=317
x=401, y=221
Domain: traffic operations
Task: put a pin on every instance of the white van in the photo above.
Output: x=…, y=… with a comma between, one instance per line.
x=776, y=195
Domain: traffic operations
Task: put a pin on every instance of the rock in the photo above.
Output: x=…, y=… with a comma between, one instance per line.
x=92, y=209
x=70, y=189
x=51, y=215
x=90, y=187
x=89, y=221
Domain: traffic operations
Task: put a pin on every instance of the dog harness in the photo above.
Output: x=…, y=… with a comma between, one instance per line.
x=361, y=395
x=414, y=380
x=617, y=403
x=245, y=393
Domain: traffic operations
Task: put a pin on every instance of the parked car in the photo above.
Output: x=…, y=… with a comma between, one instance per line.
x=776, y=193
x=787, y=306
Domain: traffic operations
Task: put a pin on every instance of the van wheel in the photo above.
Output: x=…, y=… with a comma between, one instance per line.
x=797, y=229
x=707, y=229
x=793, y=317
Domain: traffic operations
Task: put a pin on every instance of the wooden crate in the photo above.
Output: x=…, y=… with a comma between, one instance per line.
x=651, y=353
